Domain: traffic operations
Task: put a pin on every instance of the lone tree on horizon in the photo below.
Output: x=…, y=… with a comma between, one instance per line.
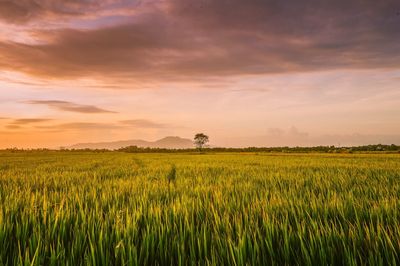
x=200, y=140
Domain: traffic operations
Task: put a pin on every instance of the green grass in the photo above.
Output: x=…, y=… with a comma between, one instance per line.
x=214, y=209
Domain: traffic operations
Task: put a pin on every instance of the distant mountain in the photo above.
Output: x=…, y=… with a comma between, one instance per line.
x=167, y=142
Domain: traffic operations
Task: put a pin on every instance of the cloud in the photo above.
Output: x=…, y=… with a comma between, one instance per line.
x=142, y=123
x=79, y=126
x=121, y=125
x=27, y=121
x=190, y=40
x=69, y=106
x=295, y=137
x=357, y=139
x=17, y=11
x=21, y=122
x=26, y=12
x=23, y=11
x=12, y=126
x=50, y=125
x=290, y=137
x=279, y=137
x=85, y=125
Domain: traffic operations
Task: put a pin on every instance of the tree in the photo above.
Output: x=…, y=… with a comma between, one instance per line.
x=200, y=140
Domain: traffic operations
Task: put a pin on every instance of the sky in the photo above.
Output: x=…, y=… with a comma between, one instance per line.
x=246, y=73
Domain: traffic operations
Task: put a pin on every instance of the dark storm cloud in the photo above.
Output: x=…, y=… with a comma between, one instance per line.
x=189, y=39
x=69, y=106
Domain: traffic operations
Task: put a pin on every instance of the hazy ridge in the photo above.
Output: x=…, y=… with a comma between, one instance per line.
x=167, y=143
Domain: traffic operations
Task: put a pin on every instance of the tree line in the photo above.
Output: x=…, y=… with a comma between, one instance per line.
x=318, y=149
x=200, y=141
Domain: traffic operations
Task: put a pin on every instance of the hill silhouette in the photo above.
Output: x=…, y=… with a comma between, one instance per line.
x=171, y=142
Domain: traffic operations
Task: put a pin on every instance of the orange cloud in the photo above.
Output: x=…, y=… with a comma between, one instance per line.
x=26, y=121
x=69, y=106
x=79, y=126
x=142, y=123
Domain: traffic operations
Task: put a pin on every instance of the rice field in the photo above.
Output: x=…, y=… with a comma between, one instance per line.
x=83, y=208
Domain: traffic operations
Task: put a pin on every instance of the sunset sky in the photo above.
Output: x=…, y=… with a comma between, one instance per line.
x=247, y=73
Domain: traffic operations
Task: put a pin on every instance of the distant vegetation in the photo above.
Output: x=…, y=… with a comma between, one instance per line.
x=381, y=148
x=318, y=149
x=113, y=208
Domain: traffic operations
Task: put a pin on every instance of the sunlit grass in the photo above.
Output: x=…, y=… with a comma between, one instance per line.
x=222, y=209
